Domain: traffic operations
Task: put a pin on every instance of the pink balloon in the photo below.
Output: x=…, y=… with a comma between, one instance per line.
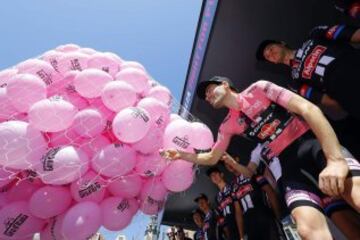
x=18, y=222
x=117, y=95
x=114, y=160
x=104, y=62
x=93, y=145
x=52, y=115
x=88, y=51
x=132, y=64
x=128, y=186
x=203, y=136
x=151, y=142
x=22, y=190
x=49, y=201
x=81, y=221
x=70, y=47
x=24, y=90
x=138, y=79
x=174, y=117
x=178, y=176
x=150, y=206
x=159, y=112
x=8, y=111
x=131, y=124
x=90, y=187
x=89, y=123
x=178, y=134
x=72, y=61
x=53, y=58
x=41, y=69
x=153, y=188
x=63, y=85
x=52, y=230
x=62, y=165
x=116, y=213
x=150, y=165
x=161, y=93
x=20, y=144
x=90, y=82
x=6, y=75
x=115, y=57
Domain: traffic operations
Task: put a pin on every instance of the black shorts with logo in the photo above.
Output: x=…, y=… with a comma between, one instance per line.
x=301, y=164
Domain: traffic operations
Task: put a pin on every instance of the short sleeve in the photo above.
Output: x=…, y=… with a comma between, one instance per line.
x=274, y=92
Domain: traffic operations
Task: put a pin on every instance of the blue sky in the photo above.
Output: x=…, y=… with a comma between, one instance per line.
x=159, y=34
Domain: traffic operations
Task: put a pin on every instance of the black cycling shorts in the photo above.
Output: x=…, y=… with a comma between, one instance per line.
x=301, y=164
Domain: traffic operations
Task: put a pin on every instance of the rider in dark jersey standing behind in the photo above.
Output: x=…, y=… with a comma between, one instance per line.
x=325, y=70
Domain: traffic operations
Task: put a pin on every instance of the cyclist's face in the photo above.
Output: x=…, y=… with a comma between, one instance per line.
x=216, y=177
x=203, y=204
x=274, y=52
x=215, y=95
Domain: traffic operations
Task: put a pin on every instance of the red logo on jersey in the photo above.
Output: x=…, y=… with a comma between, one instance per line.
x=268, y=129
x=330, y=33
x=311, y=61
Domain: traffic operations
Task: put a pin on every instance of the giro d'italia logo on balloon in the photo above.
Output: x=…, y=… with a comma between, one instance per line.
x=80, y=134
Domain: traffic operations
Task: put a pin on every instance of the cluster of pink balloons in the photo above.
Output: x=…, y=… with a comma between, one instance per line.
x=80, y=133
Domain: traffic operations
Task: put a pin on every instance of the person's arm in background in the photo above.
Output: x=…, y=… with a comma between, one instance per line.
x=240, y=169
x=330, y=106
x=339, y=33
x=239, y=219
x=332, y=178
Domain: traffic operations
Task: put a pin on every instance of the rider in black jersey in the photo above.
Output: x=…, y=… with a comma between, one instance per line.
x=325, y=70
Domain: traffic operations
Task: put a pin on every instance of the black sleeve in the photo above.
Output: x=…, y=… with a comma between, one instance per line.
x=340, y=33
x=312, y=94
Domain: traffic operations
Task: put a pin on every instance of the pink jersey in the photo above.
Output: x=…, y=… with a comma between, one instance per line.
x=263, y=118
